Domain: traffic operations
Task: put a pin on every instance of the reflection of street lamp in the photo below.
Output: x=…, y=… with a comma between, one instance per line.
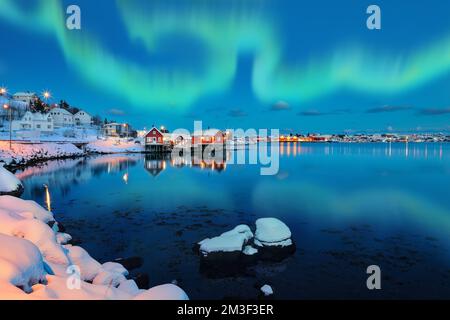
x=8, y=107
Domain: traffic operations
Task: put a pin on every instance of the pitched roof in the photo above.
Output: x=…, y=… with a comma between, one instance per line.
x=27, y=94
x=154, y=128
x=82, y=111
x=208, y=132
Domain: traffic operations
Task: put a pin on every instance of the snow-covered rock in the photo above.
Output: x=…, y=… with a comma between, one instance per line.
x=163, y=292
x=9, y=183
x=232, y=252
x=114, y=267
x=34, y=264
x=63, y=238
x=267, y=290
x=130, y=287
x=272, y=232
x=26, y=227
x=108, y=278
x=25, y=208
x=249, y=251
x=21, y=263
x=233, y=240
x=89, y=267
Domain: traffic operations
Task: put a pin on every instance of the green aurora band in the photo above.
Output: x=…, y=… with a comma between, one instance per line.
x=243, y=29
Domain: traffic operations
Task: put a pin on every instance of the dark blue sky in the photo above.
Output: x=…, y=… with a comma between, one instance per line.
x=309, y=66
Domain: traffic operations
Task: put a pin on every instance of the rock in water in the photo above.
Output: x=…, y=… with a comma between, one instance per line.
x=267, y=290
x=273, y=239
x=229, y=241
x=272, y=232
x=9, y=183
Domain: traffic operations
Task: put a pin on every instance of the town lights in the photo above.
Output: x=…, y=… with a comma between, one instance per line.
x=5, y=106
x=46, y=94
x=3, y=91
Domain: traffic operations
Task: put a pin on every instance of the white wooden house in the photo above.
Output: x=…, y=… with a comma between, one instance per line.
x=34, y=121
x=82, y=118
x=62, y=118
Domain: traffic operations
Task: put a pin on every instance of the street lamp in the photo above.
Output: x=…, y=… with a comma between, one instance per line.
x=46, y=94
x=8, y=107
x=126, y=126
x=3, y=91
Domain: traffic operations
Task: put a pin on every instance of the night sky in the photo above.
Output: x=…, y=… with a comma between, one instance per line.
x=307, y=66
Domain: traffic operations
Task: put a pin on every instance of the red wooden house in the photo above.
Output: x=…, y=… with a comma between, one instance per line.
x=210, y=136
x=154, y=141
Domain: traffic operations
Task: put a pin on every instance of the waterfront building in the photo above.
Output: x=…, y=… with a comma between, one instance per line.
x=34, y=121
x=154, y=141
x=209, y=136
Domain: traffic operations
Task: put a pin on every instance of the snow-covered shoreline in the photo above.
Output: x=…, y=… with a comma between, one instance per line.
x=37, y=262
x=114, y=145
x=25, y=153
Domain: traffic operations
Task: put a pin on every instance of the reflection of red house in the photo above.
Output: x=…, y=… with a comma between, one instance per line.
x=154, y=141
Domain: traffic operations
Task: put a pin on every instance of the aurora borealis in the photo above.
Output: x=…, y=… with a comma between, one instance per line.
x=229, y=62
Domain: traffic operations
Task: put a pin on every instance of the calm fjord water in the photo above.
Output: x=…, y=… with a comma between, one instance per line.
x=348, y=206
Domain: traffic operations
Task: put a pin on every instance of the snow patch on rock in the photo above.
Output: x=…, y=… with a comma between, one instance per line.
x=233, y=240
x=163, y=292
x=21, y=263
x=26, y=208
x=272, y=232
x=249, y=251
x=9, y=183
x=267, y=290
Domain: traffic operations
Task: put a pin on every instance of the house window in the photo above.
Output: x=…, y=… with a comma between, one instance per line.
x=38, y=126
x=49, y=127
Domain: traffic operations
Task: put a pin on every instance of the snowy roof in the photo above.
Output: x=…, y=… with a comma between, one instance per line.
x=37, y=116
x=83, y=112
x=154, y=128
x=24, y=94
x=208, y=132
x=64, y=111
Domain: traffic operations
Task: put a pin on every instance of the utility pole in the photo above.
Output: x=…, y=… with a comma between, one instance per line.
x=8, y=107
